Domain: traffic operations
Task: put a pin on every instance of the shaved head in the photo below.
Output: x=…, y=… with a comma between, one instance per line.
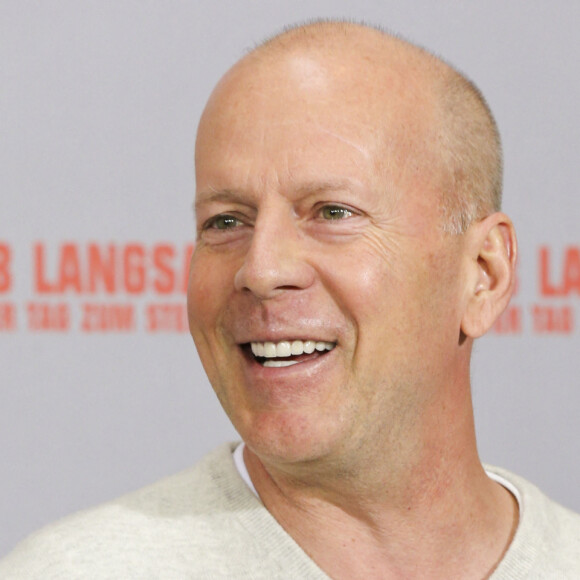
x=432, y=119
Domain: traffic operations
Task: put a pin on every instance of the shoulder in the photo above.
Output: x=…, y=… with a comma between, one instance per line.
x=201, y=523
x=173, y=520
x=547, y=540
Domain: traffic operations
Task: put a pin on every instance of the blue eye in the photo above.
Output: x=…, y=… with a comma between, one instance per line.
x=223, y=222
x=335, y=212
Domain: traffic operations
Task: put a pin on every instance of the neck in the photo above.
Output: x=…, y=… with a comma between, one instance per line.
x=433, y=514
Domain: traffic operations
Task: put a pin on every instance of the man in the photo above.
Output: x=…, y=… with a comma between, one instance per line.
x=350, y=249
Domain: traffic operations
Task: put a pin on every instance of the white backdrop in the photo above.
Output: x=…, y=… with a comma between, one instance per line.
x=101, y=388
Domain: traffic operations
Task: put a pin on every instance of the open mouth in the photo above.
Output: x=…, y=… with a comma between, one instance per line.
x=288, y=352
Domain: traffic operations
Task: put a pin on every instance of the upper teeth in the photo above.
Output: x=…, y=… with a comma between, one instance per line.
x=288, y=348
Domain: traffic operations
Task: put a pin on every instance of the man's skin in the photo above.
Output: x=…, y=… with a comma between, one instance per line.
x=319, y=218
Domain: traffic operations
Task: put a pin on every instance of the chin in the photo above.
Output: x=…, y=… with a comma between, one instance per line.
x=285, y=437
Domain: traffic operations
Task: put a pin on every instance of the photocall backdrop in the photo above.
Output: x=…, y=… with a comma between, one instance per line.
x=101, y=388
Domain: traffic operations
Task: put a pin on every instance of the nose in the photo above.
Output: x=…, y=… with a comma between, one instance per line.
x=276, y=260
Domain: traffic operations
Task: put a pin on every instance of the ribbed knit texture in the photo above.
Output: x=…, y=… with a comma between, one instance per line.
x=205, y=523
x=546, y=545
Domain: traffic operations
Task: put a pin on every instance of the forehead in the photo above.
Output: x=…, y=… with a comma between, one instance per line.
x=317, y=116
x=327, y=167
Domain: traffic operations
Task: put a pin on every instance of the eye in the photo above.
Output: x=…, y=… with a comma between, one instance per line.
x=222, y=222
x=335, y=212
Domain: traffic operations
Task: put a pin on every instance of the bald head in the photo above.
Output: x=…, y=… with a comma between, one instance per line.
x=330, y=161
x=432, y=123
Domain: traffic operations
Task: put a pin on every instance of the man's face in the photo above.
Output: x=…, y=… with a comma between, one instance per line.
x=315, y=229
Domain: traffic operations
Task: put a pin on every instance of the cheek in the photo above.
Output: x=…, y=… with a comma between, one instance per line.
x=206, y=296
x=395, y=302
x=367, y=284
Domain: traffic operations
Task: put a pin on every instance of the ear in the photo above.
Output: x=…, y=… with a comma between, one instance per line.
x=492, y=253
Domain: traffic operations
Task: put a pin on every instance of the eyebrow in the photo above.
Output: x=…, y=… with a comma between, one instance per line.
x=307, y=188
x=212, y=195
x=323, y=186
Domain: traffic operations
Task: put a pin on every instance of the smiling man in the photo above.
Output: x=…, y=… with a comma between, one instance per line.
x=350, y=249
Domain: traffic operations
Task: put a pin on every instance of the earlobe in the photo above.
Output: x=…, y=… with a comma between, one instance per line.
x=492, y=261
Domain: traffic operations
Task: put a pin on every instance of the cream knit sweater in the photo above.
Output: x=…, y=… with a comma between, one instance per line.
x=205, y=523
